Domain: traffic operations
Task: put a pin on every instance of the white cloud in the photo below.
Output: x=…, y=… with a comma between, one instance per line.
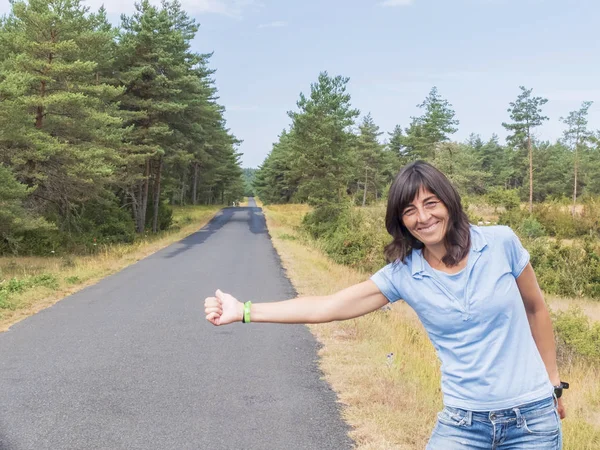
x=231, y=8
x=276, y=24
x=396, y=2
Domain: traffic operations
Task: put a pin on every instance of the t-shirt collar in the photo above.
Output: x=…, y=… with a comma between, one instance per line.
x=478, y=243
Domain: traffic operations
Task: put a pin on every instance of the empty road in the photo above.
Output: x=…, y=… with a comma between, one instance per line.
x=131, y=363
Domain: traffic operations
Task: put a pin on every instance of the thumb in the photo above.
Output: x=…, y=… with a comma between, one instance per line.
x=219, y=294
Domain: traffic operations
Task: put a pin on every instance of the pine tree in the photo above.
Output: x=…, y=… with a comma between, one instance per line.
x=576, y=136
x=433, y=127
x=60, y=127
x=526, y=115
x=369, y=154
x=153, y=69
x=397, y=145
x=322, y=145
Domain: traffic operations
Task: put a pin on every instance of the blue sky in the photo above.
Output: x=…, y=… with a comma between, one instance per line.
x=477, y=52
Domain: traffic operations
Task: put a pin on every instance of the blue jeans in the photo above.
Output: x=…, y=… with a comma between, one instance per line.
x=532, y=426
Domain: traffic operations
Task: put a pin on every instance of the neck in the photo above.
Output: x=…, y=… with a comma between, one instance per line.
x=437, y=251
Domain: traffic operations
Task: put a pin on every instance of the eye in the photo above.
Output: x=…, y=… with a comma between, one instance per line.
x=409, y=212
x=432, y=204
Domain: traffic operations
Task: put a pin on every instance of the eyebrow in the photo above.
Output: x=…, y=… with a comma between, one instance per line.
x=434, y=197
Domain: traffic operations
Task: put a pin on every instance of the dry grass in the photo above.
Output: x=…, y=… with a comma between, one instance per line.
x=73, y=273
x=392, y=404
x=590, y=307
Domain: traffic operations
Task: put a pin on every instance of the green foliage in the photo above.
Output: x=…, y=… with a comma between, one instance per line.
x=73, y=280
x=92, y=112
x=576, y=336
x=433, y=127
x=249, y=176
x=12, y=214
x=526, y=113
x=507, y=198
x=59, y=125
x=531, y=228
x=323, y=220
x=321, y=144
x=16, y=286
x=165, y=215
x=565, y=270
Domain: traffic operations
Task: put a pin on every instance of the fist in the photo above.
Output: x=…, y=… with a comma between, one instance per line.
x=223, y=309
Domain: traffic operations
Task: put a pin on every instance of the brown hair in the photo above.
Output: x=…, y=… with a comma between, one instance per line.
x=411, y=179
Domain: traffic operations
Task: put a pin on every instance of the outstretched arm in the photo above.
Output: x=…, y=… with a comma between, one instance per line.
x=354, y=301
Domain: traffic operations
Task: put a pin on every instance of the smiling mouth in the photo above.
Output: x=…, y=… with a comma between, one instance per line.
x=429, y=228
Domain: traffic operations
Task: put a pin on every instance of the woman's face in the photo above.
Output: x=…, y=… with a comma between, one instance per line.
x=426, y=218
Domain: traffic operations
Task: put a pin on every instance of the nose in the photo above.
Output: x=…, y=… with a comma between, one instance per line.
x=423, y=215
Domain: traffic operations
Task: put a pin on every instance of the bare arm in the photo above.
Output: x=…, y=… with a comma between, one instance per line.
x=354, y=301
x=540, y=324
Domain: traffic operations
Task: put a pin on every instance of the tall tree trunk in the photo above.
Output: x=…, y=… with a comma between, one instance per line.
x=134, y=207
x=195, y=187
x=157, y=194
x=530, y=173
x=365, y=189
x=575, y=183
x=144, y=198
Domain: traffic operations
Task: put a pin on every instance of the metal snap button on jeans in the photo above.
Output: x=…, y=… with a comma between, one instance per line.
x=493, y=416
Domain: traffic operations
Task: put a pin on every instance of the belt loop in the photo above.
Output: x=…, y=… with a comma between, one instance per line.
x=520, y=419
x=469, y=418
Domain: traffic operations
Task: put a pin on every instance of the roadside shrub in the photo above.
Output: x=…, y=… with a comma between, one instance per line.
x=165, y=216
x=356, y=241
x=16, y=286
x=322, y=221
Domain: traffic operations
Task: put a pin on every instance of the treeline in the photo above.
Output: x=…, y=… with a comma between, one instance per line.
x=327, y=156
x=101, y=127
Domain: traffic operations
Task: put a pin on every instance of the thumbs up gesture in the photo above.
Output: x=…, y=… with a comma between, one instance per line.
x=223, y=309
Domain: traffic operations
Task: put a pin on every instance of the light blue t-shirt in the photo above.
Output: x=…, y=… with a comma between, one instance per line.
x=454, y=282
x=488, y=356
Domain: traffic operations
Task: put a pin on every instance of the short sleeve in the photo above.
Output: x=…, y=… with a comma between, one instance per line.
x=384, y=279
x=518, y=257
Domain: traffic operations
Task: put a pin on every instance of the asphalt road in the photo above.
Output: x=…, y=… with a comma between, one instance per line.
x=131, y=363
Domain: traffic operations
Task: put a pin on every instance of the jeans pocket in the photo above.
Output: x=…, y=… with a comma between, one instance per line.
x=452, y=417
x=545, y=424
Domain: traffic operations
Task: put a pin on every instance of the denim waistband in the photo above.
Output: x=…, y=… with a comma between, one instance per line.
x=529, y=409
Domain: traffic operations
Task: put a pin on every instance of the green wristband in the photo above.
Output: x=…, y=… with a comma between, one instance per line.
x=247, y=306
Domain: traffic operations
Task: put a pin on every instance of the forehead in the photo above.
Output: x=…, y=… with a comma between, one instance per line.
x=422, y=194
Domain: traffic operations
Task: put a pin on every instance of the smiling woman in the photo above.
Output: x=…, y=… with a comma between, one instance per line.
x=425, y=211
x=477, y=296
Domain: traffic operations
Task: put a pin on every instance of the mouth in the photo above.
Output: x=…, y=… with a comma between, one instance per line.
x=428, y=228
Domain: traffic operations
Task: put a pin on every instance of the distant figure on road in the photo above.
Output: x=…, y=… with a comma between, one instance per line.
x=477, y=296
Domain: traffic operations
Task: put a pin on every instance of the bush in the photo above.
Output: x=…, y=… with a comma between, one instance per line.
x=531, y=228
x=576, y=336
x=507, y=198
x=323, y=220
x=165, y=216
x=566, y=270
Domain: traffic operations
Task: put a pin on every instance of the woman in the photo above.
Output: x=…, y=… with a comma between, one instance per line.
x=477, y=296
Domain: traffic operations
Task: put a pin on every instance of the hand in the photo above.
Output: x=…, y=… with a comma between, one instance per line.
x=223, y=309
x=562, y=412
